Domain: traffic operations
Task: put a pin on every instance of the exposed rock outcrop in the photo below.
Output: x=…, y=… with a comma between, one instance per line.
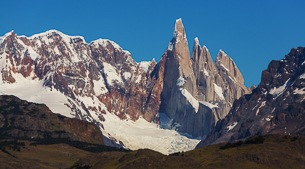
x=197, y=92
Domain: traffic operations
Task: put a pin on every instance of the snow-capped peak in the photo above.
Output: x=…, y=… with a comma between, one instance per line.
x=197, y=41
x=178, y=20
x=53, y=31
x=222, y=54
x=205, y=47
x=221, y=51
x=6, y=35
x=179, y=29
x=46, y=33
x=105, y=42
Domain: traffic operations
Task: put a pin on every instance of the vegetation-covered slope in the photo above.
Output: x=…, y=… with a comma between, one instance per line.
x=258, y=152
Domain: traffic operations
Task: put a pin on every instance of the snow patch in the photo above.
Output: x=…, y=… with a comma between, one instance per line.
x=209, y=105
x=127, y=75
x=33, y=55
x=191, y=99
x=111, y=74
x=233, y=80
x=262, y=105
x=272, y=110
x=231, y=126
x=268, y=118
x=99, y=87
x=194, y=102
x=218, y=91
x=223, y=66
x=170, y=46
x=180, y=81
x=279, y=90
x=302, y=76
x=299, y=91
x=145, y=65
x=138, y=80
x=2, y=64
x=56, y=51
x=206, y=72
x=196, y=40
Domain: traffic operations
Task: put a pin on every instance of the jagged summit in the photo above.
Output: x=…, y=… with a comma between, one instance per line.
x=179, y=41
x=221, y=51
x=275, y=106
x=222, y=56
x=54, y=32
x=178, y=50
x=179, y=32
x=7, y=34
x=195, y=85
x=225, y=62
x=196, y=41
x=106, y=42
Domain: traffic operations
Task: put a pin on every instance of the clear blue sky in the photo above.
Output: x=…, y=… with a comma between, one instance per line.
x=252, y=32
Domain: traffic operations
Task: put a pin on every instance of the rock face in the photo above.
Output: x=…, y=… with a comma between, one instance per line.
x=276, y=106
x=220, y=82
x=196, y=91
x=90, y=80
x=177, y=100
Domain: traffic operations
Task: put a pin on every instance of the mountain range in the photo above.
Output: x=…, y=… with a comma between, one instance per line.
x=99, y=82
x=168, y=106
